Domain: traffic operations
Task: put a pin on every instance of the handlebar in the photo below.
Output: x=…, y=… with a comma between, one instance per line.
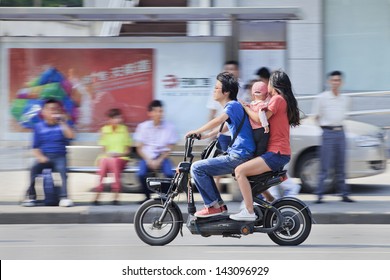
x=188, y=146
x=195, y=136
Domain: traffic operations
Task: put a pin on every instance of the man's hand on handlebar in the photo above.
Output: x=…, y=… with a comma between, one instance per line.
x=192, y=134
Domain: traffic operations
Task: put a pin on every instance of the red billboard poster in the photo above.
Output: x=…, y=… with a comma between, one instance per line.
x=88, y=82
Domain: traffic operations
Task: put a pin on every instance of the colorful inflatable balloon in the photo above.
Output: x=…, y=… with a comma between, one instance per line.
x=51, y=84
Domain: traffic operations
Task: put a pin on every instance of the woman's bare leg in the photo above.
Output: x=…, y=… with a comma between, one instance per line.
x=252, y=167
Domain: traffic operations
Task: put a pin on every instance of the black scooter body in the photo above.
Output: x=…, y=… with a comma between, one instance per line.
x=218, y=225
x=223, y=225
x=287, y=221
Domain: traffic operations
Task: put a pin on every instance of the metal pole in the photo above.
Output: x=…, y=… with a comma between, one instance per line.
x=235, y=39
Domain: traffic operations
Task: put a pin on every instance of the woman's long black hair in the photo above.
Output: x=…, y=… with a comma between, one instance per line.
x=281, y=82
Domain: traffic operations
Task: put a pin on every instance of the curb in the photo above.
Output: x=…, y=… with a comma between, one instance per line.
x=351, y=218
x=125, y=214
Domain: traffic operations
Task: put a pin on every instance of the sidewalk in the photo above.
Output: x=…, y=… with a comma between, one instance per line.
x=368, y=209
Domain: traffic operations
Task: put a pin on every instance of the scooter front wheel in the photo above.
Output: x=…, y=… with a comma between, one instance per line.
x=296, y=225
x=154, y=228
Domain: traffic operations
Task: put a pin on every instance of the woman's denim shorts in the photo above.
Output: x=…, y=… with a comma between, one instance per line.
x=275, y=161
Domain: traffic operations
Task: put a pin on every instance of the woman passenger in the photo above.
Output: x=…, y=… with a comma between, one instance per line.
x=282, y=113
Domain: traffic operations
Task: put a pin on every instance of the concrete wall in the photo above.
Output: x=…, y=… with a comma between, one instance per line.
x=304, y=38
x=86, y=28
x=30, y=28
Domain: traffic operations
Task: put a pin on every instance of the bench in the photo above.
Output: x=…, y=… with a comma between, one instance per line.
x=95, y=169
x=81, y=159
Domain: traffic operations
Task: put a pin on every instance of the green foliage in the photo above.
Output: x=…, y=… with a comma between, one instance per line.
x=44, y=3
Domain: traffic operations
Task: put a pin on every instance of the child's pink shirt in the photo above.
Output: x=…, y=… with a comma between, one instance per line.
x=257, y=106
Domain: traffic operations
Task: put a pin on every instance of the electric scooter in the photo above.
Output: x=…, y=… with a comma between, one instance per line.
x=157, y=222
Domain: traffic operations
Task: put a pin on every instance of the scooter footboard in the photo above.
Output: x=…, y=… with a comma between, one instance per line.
x=218, y=225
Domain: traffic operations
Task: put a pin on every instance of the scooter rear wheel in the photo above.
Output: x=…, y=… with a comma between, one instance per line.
x=296, y=226
x=148, y=227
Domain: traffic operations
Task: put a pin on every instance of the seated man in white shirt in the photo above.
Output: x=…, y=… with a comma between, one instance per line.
x=154, y=140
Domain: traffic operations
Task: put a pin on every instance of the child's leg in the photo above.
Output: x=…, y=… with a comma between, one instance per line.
x=261, y=140
x=116, y=166
x=103, y=168
x=268, y=196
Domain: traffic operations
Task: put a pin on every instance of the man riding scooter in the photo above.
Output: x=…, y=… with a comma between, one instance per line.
x=240, y=149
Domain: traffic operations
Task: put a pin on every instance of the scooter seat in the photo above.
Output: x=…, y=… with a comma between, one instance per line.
x=267, y=175
x=262, y=182
x=264, y=176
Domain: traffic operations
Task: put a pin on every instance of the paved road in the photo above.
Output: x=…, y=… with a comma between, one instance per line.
x=120, y=242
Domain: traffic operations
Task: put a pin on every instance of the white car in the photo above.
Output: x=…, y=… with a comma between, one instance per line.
x=366, y=152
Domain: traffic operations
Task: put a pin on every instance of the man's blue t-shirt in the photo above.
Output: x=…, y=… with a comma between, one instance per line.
x=49, y=139
x=244, y=144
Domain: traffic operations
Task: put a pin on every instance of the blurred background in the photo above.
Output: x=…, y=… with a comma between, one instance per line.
x=126, y=53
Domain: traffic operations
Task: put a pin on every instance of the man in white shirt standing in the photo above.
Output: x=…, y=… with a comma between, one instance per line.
x=330, y=109
x=154, y=139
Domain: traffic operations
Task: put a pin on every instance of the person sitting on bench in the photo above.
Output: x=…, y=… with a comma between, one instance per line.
x=50, y=138
x=116, y=142
x=154, y=139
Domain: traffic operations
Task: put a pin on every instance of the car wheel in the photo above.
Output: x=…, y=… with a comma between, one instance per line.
x=308, y=170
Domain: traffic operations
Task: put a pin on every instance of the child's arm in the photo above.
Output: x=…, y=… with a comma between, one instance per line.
x=264, y=121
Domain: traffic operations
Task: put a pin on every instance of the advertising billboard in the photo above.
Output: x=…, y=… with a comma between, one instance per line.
x=97, y=74
x=88, y=82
